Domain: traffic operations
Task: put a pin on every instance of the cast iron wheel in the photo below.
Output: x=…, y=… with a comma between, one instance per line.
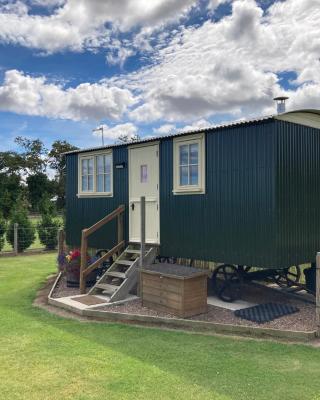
x=106, y=264
x=167, y=260
x=288, y=277
x=226, y=282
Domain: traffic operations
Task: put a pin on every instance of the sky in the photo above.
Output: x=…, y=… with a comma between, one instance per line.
x=151, y=67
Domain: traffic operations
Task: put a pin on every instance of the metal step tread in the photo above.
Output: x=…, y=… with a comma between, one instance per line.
x=116, y=274
x=107, y=287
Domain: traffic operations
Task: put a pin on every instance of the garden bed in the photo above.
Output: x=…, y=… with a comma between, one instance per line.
x=304, y=320
x=62, y=290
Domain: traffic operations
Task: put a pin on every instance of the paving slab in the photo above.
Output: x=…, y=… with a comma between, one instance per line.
x=236, y=305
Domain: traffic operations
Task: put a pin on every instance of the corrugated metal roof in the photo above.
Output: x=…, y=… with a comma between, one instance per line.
x=150, y=139
x=207, y=129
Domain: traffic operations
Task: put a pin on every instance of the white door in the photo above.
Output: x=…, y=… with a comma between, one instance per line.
x=144, y=181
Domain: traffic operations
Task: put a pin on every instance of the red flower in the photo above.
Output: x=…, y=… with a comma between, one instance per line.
x=75, y=254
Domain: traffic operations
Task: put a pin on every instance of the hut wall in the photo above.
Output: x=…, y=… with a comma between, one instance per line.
x=234, y=221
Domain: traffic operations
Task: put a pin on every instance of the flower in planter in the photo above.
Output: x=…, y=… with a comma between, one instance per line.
x=70, y=264
x=72, y=260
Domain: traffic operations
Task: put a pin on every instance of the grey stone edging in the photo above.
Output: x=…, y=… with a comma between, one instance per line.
x=202, y=326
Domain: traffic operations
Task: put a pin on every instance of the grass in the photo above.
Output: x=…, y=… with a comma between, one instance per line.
x=48, y=357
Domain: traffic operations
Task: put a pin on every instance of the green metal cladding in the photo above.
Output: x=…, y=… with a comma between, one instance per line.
x=261, y=206
x=84, y=212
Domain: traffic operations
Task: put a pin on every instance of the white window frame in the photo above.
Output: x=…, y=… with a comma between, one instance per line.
x=94, y=192
x=187, y=140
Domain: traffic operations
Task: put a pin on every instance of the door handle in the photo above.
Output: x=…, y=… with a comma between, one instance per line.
x=132, y=206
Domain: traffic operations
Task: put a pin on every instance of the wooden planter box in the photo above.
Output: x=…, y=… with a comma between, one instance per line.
x=175, y=289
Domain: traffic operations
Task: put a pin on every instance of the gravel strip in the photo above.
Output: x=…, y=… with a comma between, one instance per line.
x=61, y=289
x=304, y=320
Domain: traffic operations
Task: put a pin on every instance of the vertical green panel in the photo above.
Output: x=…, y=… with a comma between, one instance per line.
x=298, y=193
x=234, y=221
x=84, y=212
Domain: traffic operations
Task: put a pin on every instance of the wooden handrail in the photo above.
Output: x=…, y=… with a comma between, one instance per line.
x=104, y=220
x=84, y=269
x=110, y=253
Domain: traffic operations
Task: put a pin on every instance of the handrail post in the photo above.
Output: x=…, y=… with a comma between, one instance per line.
x=120, y=227
x=318, y=293
x=61, y=241
x=142, y=228
x=83, y=265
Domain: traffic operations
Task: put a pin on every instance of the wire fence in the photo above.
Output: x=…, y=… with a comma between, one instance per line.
x=17, y=240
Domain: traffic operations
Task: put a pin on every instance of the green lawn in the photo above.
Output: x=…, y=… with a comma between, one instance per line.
x=43, y=356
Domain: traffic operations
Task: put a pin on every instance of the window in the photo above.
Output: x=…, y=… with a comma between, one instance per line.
x=143, y=173
x=95, y=174
x=87, y=175
x=189, y=164
x=104, y=173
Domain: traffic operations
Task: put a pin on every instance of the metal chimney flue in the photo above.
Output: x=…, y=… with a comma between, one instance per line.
x=281, y=103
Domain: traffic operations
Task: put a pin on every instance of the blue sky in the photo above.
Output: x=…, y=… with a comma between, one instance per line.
x=150, y=68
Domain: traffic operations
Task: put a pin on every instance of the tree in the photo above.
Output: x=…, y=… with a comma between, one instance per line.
x=48, y=226
x=2, y=231
x=10, y=190
x=26, y=231
x=39, y=187
x=15, y=167
x=33, y=155
x=57, y=162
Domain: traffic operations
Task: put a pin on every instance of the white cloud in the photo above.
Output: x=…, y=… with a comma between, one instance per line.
x=213, y=4
x=199, y=124
x=79, y=24
x=215, y=69
x=35, y=96
x=113, y=133
x=165, y=129
x=231, y=66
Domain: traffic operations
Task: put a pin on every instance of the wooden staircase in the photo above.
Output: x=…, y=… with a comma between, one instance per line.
x=122, y=276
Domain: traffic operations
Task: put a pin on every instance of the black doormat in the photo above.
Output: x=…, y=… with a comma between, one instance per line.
x=266, y=312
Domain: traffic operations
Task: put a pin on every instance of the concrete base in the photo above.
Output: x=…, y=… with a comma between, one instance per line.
x=68, y=303
x=236, y=305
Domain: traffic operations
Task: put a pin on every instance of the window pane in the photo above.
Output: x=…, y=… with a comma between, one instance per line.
x=107, y=183
x=107, y=164
x=193, y=174
x=100, y=167
x=90, y=166
x=183, y=176
x=84, y=167
x=184, y=153
x=194, y=153
x=90, y=183
x=84, y=184
x=143, y=173
x=100, y=183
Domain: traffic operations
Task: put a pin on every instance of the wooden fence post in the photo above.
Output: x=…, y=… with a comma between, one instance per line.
x=142, y=229
x=15, y=239
x=61, y=241
x=318, y=293
x=83, y=266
